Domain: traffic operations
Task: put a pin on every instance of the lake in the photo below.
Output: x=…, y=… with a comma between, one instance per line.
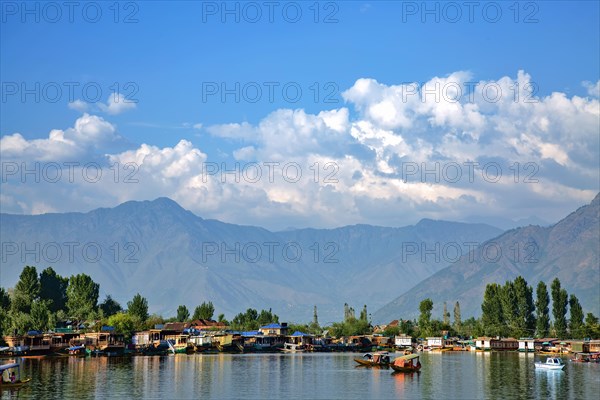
x=451, y=375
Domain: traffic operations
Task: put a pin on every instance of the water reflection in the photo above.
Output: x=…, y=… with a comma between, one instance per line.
x=459, y=375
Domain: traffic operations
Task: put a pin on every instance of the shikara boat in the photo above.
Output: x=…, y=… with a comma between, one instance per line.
x=10, y=380
x=79, y=351
x=379, y=359
x=408, y=363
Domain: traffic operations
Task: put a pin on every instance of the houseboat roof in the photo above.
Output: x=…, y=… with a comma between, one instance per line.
x=298, y=333
x=272, y=326
x=8, y=366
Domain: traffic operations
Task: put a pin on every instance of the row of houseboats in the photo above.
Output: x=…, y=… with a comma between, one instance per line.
x=207, y=336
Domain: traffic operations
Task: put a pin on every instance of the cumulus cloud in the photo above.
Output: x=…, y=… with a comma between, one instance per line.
x=115, y=104
x=447, y=148
x=89, y=133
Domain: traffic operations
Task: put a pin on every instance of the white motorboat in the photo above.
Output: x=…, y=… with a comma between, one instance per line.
x=552, y=363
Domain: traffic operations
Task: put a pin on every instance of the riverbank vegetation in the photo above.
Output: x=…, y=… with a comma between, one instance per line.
x=47, y=300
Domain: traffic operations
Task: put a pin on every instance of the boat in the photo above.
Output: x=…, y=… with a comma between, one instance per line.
x=379, y=359
x=10, y=380
x=79, y=351
x=552, y=363
x=293, y=348
x=408, y=363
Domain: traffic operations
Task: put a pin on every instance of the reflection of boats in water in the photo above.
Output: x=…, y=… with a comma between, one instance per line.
x=552, y=363
x=586, y=357
x=408, y=363
x=379, y=359
x=8, y=378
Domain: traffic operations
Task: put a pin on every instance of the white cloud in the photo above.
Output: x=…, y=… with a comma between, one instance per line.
x=79, y=105
x=593, y=89
x=354, y=167
x=90, y=132
x=117, y=104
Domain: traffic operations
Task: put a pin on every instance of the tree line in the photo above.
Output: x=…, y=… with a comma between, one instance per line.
x=47, y=300
x=510, y=310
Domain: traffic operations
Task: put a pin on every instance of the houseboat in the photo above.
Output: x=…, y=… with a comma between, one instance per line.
x=32, y=344
x=527, y=345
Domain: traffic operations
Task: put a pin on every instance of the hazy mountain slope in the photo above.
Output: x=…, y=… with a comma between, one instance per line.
x=568, y=250
x=173, y=257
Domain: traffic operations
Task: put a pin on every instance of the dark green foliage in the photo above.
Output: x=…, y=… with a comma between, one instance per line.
x=559, y=308
x=138, y=307
x=182, y=313
x=82, y=297
x=492, y=317
x=457, y=321
x=542, y=326
x=206, y=310
x=425, y=308
x=26, y=290
x=53, y=289
x=110, y=307
x=252, y=320
x=576, y=326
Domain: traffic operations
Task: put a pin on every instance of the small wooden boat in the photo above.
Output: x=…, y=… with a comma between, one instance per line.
x=552, y=363
x=408, y=363
x=379, y=359
x=10, y=380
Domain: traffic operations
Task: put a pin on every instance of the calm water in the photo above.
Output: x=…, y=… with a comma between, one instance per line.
x=453, y=375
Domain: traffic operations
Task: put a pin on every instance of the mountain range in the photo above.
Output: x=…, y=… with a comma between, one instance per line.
x=569, y=250
x=173, y=257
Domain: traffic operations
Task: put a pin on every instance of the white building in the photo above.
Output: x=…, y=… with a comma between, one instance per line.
x=403, y=341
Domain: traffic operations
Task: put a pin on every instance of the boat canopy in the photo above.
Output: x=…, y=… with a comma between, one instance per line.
x=8, y=366
x=298, y=333
x=409, y=356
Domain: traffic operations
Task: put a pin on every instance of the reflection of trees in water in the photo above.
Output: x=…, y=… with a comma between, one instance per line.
x=510, y=375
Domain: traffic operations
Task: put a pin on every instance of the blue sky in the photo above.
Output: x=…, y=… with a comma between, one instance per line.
x=172, y=51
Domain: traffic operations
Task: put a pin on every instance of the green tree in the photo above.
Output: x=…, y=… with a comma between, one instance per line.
x=363, y=314
x=576, y=326
x=446, y=316
x=138, y=307
x=124, y=323
x=27, y=290
x=425, y=308
x=542, y=326
x=182, y=313
x=39, y=315
x=221, y=318
x=315, y=317
x=524, y=323
x=53, y=289
x=592, y=327
x=4, y=312
x=559, y=308
x=492, y=317
x=204, y=311
x=110, y=306
x=266, y=317
x=508, y=298
x=457, y=321
x=82, y=297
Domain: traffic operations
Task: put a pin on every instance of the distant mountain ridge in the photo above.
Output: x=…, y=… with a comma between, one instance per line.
x=173, y=257
x=569, y=250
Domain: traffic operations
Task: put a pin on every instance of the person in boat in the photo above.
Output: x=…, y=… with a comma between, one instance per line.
x=13, y=378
